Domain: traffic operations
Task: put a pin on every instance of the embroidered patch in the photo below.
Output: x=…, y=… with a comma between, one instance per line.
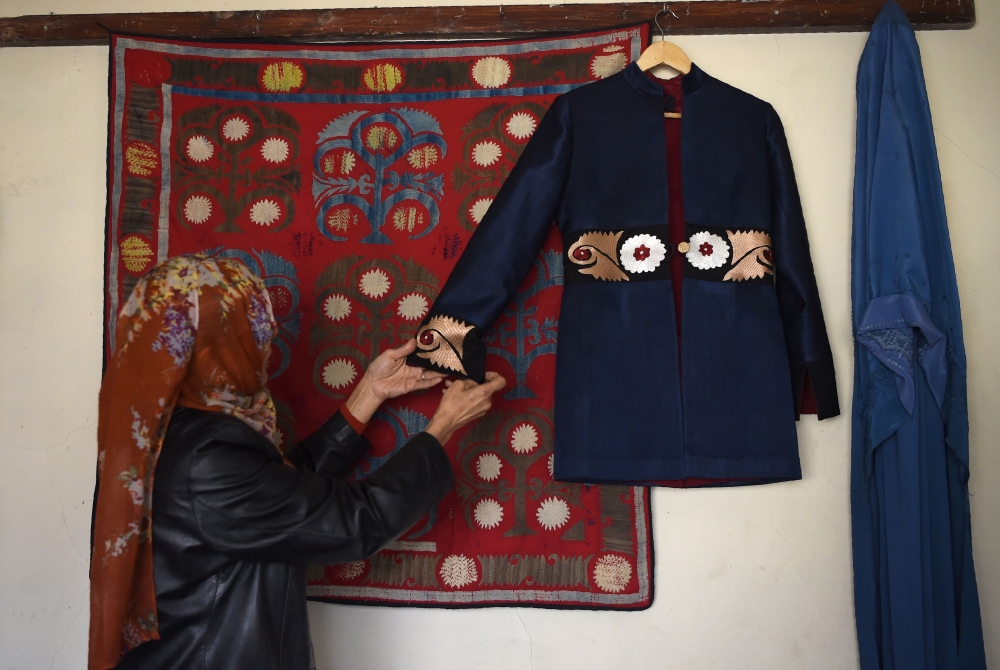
x=707, y=251
x=441, y=340
x=746, y=256
x=597, y=253
x=633, y=254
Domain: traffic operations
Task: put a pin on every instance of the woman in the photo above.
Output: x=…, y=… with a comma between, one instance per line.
x=215, y=577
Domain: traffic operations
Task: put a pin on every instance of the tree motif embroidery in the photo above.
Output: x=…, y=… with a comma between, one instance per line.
x=523, y=331
x=282, y=282
x=493, y=141
x=519, y=441
x=236, y=163
x=363, y=306
x=360, y=171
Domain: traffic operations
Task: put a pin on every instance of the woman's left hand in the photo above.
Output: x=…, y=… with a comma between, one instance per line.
x=389, y=376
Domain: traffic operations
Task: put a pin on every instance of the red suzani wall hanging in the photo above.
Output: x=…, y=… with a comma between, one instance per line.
x=350, y=180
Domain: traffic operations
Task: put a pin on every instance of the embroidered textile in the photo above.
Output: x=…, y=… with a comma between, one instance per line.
x=350, y=180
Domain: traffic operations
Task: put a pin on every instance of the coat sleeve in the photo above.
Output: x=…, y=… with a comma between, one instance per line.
x=499, y=254
x=250, y=506
x=331, y=450
x=795, y=282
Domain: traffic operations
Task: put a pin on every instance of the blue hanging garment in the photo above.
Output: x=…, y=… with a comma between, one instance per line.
x=914, y=583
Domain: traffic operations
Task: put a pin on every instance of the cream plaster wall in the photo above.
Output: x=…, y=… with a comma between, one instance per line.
x=745, y=578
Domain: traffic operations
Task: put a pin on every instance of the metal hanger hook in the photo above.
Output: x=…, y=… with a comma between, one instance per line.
x=656, y=19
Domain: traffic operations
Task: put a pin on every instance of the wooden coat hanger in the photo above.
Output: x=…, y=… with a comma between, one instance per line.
x=664, y=53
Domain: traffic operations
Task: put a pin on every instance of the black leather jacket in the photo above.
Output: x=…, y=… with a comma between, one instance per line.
x=234, y=528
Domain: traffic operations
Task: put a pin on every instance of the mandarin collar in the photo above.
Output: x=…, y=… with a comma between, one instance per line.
x=690, y=82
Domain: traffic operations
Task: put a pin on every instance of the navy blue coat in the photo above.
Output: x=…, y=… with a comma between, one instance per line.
x=752, y=326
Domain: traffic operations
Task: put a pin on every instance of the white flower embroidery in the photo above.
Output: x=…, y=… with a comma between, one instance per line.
x=486, y=153
x=491, y=72
x=488, y=513
x=603, y=67
x=521, y=125
x=552, y=465
x=643, y=253
x=374, y=283
x=350, y=570
x=199, y=149
x=458, y=570
x=412, y=306
x=274, y=150
x=524, y=439
x=552, y=513
x=488, y=467
x=265, y=212
x=707, y=251
x=479, y=209
x=612, y=573
x=236, y=129
x=337, y=307
x=339, y=373
x=197, y=209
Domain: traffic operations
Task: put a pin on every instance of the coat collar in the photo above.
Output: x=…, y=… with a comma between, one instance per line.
x=690, y=82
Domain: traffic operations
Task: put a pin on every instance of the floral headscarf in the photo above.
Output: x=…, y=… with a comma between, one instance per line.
x=195, y=332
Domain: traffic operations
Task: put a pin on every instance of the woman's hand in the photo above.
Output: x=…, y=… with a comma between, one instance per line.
x=389, y=376
x=463, y=401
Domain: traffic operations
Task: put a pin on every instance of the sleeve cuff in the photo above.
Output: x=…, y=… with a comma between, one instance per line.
x=451, y=346
x=352, y=421
x=823, y=382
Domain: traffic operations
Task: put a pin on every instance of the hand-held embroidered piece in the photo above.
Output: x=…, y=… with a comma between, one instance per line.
x=749, y=329
x=915, y=593
x=196, y=331
x=350, y=179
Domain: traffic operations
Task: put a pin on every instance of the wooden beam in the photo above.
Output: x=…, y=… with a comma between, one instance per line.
x=694, y=18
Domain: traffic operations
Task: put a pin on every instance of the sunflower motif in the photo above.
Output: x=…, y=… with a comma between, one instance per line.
x=423, y=157
x=491, y=72
x=199, y=149
x=605, y=65
x=412, y=306
x=374, y=283
x=524, y=440
x=488, y=513
x=521, y=125
x=274, y=150
x=458, y=570
x=197, y=209
x=486, y=153
x=488, y=467
x=707, y=251
x=479, y=209
x=283, y=76
x=265, y=212
x=236, y=129
x=612, y=573
x=337, y=307
x=552, y=465
x=339, y=373
x=552, y=513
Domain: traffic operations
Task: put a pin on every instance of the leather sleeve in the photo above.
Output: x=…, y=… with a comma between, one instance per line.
x=499, y=254
x=331, y=450
x=251, y=507
x=795, y=282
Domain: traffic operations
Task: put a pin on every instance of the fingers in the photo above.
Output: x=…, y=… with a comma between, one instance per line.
x=403, y=351
x=494, y=382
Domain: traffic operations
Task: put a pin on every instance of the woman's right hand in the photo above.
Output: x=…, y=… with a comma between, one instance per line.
x=463, y=401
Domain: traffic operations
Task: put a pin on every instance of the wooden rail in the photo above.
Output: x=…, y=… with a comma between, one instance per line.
x=694, y=18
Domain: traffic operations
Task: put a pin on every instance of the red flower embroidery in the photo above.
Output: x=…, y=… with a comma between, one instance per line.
x=767, y=255
x=427, y=338
x=641, y=252
x=706, y=249
x=582, y=254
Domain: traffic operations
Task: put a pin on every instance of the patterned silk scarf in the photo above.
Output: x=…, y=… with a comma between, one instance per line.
x=195, y=332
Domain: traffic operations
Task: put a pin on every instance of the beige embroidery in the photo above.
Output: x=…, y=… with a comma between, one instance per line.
x=598, y=253
x=751, y=252
x=444, y=346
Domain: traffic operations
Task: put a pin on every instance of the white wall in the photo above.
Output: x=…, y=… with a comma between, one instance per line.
x=745, y=578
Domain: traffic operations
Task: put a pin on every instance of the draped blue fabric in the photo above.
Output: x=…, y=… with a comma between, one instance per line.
x=915, y=588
